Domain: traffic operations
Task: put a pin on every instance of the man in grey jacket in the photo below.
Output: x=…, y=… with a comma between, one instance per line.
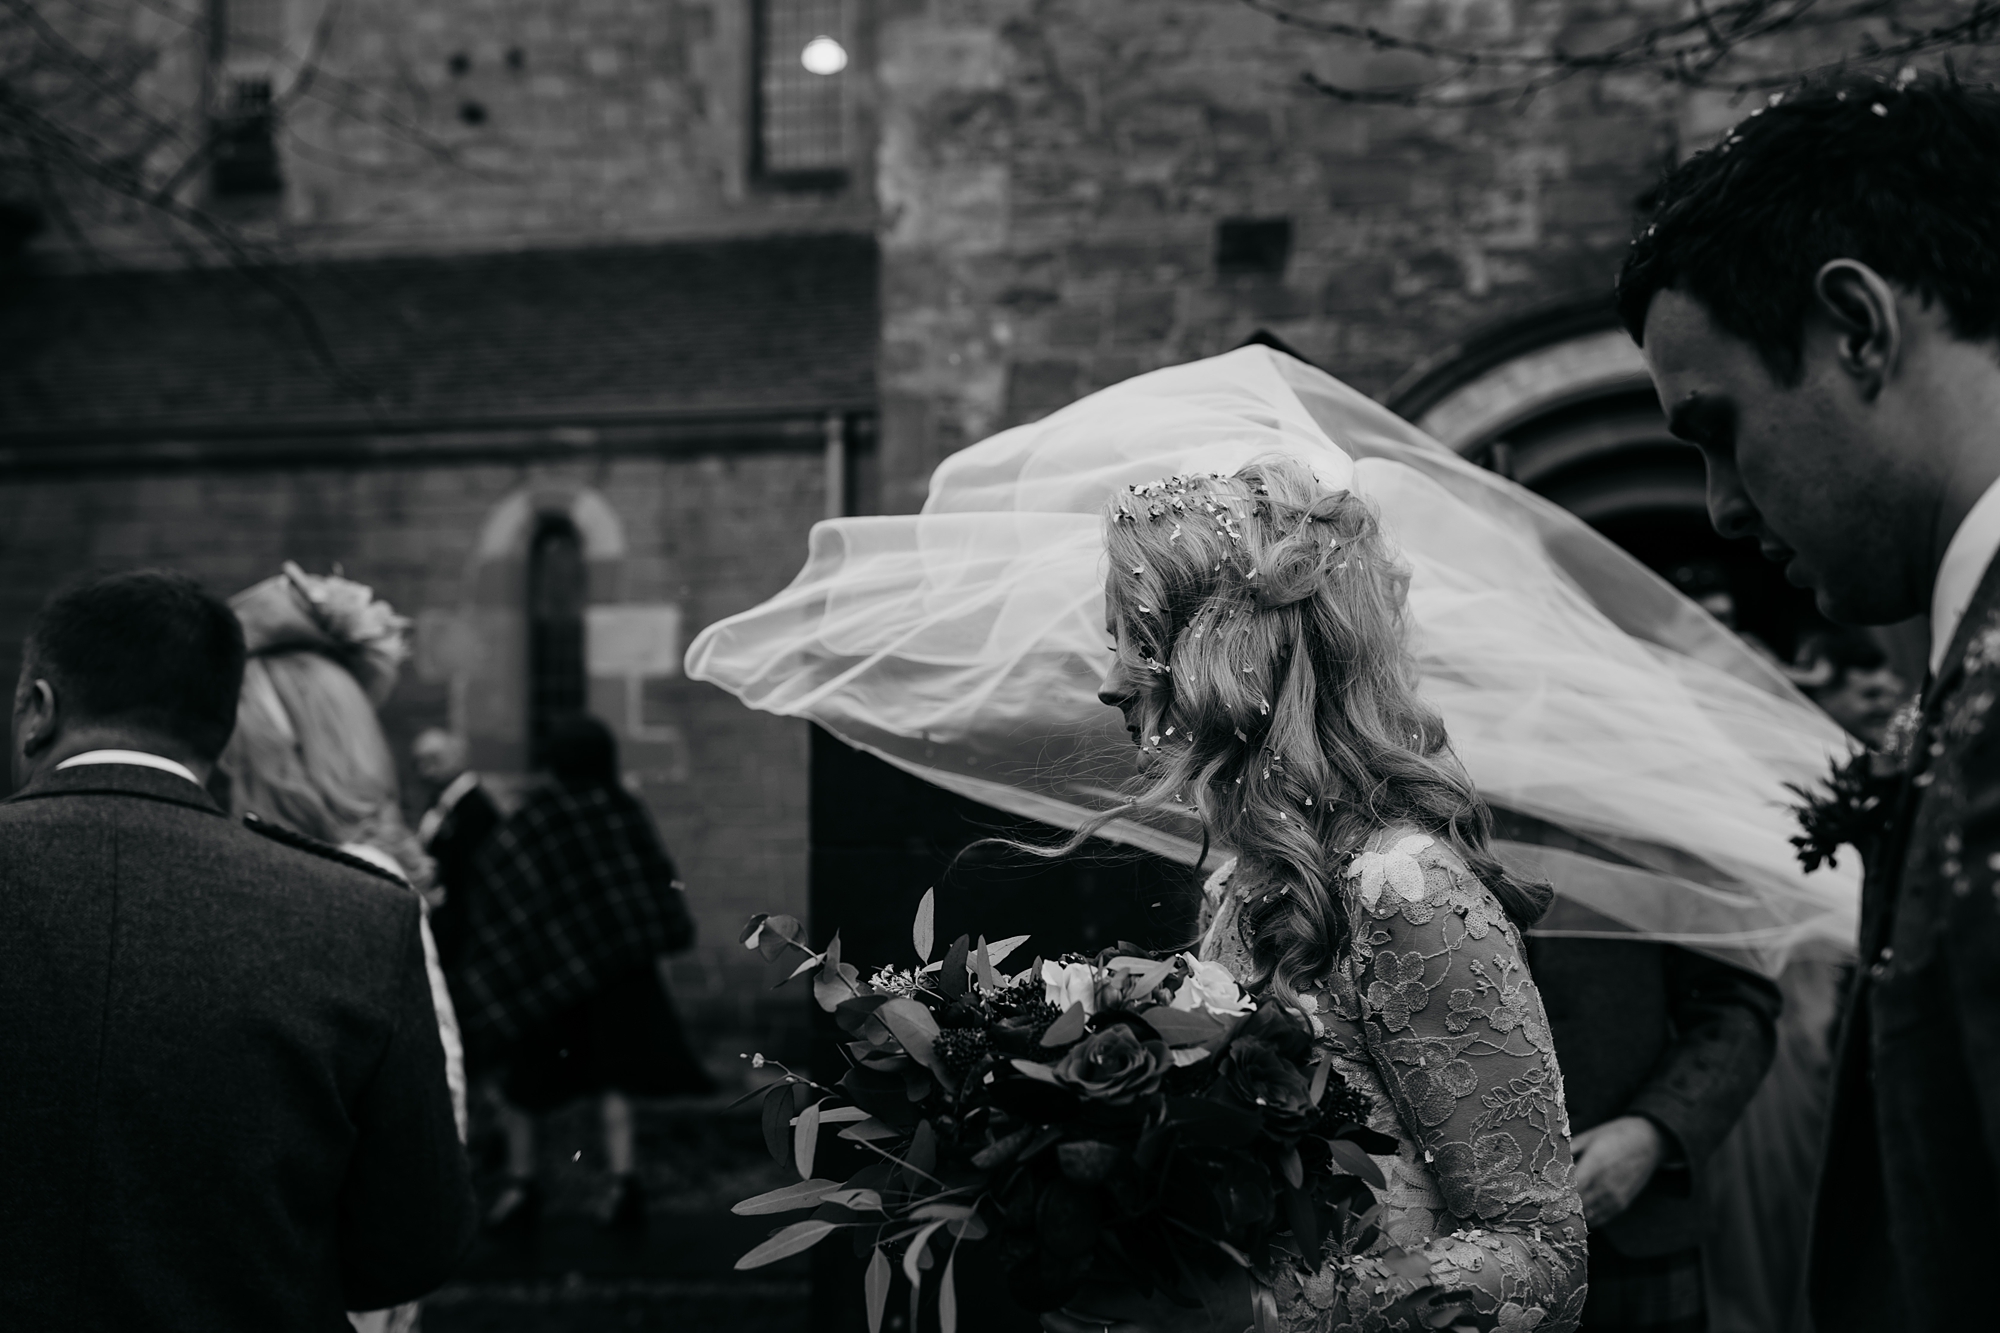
x=224, y=1103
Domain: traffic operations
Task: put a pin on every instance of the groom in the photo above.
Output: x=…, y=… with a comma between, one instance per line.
x=1818, y=299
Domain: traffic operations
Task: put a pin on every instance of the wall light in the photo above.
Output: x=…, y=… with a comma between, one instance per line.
x=823, y=55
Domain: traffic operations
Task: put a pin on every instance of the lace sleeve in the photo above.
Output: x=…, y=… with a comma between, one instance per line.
x=1453, y=1025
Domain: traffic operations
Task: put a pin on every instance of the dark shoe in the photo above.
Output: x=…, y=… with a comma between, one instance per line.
x=516, y=1209
x=624, y=1207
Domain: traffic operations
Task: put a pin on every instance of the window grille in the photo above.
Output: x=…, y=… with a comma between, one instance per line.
x=249, y=40
x=244, y=151
x=801, y=91
x=558, y=589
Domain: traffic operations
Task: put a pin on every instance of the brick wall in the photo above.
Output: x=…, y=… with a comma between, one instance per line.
x=713, y=534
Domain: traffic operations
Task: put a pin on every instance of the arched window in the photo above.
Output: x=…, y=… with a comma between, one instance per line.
x=558, y=590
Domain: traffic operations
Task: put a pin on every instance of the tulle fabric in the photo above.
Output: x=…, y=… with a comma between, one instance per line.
x=964, y=644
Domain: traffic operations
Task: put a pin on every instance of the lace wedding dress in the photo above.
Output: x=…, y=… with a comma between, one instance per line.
x=1432, y=1016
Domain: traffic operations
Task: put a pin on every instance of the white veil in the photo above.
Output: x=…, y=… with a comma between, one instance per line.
x=1644, y=749
x=1637, y=752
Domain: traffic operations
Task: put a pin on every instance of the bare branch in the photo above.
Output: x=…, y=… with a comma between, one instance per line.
x=1713, y=46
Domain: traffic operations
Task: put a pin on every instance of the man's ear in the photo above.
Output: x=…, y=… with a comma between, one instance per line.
x=37, y=717
x=1860, y=305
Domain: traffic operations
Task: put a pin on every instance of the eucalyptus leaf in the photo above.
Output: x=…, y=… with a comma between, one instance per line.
x=948, y=1298
x=952, y=978
x=914, y=1028
x=777, y=1116
x=913, y=1256
x=805, y=1194
x=805, y=1139
x=870, y=1130
x=923, y=1149
x=1067, y=1028
x=839, y=1115
x=1040, y=1072
x=1322, y=1074
x=774, y=935
x=786, y=1243
x=1001, y=1150
x=923, y=929
x=1183, y=1027
x=999, y=951
x=875, y=1288
x=946, y=1212
x=1349, y=1159
x=836, y=981
x=861, y=1201
x=982, y=966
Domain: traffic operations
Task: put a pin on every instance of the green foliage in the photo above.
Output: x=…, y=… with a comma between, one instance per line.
x=1092, y=1115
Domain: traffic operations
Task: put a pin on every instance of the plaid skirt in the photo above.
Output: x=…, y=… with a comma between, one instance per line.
x=1657, y=1294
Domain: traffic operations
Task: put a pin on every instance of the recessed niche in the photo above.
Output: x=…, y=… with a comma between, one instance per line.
x=1246, y=246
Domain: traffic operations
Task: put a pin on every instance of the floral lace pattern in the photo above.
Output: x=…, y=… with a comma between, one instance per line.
x=1432, y=1016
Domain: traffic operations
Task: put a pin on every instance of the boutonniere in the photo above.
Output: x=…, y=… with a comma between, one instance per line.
x=1849, y=810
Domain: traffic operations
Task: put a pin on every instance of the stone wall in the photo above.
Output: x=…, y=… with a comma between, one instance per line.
x=473, y=124
x=711, y=535
x=1052, y=176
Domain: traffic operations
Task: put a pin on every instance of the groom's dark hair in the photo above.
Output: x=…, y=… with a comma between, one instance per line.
x=150, y=649
x=1902, y=175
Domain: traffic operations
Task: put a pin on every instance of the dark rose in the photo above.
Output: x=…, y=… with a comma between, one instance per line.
x=1114, y=1067
x=1257, y=1074
x=1279, y=1027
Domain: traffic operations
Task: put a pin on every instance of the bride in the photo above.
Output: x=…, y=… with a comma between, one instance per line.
x=1581, y=693
x=1260, y=666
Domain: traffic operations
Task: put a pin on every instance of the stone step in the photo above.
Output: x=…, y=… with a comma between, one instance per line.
x=575, y=1304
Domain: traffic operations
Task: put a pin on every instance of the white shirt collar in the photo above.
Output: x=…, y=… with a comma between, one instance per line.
x=1971, y=550
x=137, y=758
x=447, y=801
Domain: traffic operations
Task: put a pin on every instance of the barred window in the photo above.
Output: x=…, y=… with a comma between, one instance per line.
x=243, y=149
x=801, y=91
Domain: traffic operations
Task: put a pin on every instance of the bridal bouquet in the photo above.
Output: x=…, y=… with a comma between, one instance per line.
x=1130, y=1118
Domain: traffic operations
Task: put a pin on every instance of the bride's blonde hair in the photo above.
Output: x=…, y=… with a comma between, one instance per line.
x=1263, y=619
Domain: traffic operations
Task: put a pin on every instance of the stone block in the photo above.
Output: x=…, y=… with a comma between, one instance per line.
x=1073, y=326
x=1143, y=317
x=1037, y=388
x=1367, y=183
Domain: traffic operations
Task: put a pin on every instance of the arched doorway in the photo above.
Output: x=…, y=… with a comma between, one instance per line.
x=1560, y=401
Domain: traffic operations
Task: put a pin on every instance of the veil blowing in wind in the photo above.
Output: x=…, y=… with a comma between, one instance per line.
x=1637, y=755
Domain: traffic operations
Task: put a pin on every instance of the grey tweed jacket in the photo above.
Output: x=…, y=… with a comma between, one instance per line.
x=222, y=1096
